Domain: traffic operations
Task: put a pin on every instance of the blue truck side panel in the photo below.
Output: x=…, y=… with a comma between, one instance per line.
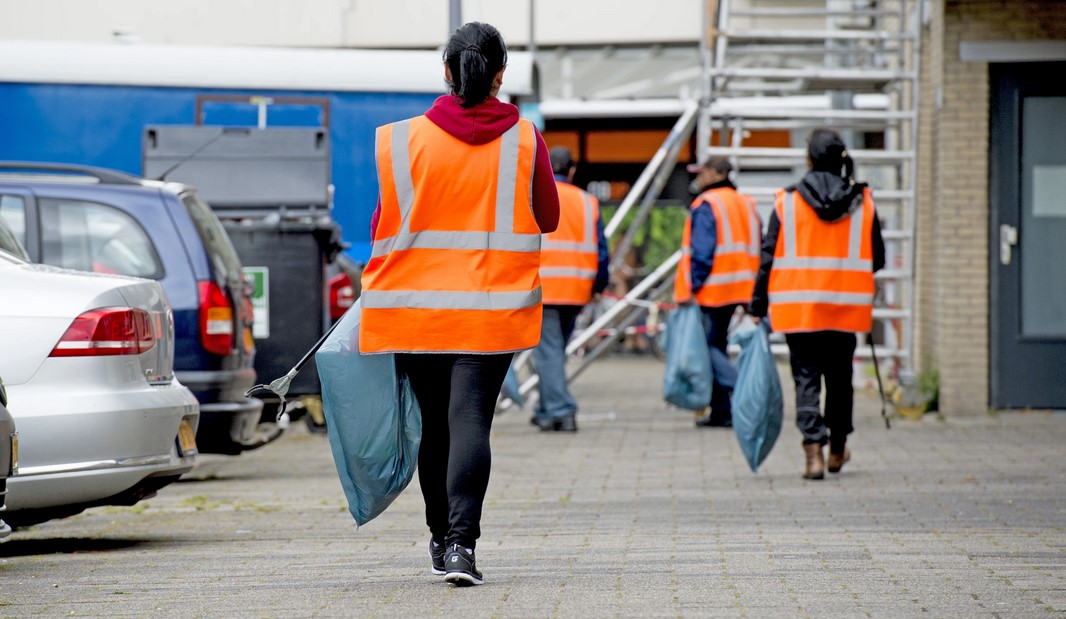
x=102, y=125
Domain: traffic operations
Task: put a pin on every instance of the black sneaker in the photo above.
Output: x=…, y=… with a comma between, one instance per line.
x=566, y=424
x=460, y=569
x=715, y=420
x=560, y=424
x=545, y=425
x=436, y=555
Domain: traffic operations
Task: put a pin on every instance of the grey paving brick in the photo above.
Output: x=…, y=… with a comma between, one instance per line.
x=639, y=514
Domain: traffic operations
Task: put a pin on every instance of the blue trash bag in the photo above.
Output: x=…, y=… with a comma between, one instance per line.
x=758, y=406
x=688, y=377
x=372, y=419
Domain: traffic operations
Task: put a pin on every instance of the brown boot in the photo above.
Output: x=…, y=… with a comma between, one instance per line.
x=837, y=460
x=815, y=461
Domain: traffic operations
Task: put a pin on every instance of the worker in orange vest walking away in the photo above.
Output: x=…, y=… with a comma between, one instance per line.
x=823, y=244
x=719, y=259
x=452, y=285
x=573, y=268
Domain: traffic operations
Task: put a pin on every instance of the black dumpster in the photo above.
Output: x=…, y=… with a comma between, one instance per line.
x=271, y=189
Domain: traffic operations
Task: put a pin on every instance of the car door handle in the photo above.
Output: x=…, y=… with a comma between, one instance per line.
x=1008, y=238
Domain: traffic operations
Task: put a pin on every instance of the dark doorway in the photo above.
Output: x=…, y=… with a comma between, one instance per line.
x=1027, y=192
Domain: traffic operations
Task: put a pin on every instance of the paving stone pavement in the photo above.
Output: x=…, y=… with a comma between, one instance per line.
x=639, y=514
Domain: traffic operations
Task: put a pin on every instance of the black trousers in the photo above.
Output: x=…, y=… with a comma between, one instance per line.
x=716, y=323
x=457, y=395
x=814, y=356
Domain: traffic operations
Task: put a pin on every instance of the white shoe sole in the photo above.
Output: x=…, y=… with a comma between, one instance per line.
x=462, y=579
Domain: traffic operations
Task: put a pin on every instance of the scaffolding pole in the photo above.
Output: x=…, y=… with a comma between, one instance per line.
x=665, y=270
x=683, y=127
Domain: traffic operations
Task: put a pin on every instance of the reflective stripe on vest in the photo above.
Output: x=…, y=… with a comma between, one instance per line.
x=736, y=251
x=570, y=254
x=589, y=274
x=437, y=239
x=827, y=292
x=447, y=299
x=436, y=280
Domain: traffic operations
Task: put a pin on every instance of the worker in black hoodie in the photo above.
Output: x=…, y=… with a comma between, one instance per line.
x=822, y=246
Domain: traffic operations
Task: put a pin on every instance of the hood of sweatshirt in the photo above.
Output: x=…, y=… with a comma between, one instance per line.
x=476, y=125
x=831, y=196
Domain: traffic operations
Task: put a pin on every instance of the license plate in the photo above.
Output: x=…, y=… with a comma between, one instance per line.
x=186, y=438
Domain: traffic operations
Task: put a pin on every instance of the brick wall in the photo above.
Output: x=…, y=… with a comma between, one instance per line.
x=926, y=274
x=953, y=205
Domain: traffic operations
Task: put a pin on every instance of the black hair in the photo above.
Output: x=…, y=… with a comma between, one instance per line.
x=561, y=158
x=474, y=53
x=828, y=153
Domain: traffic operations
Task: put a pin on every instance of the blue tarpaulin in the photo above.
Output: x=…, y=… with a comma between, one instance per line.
x=372, y=418
x=758, y=406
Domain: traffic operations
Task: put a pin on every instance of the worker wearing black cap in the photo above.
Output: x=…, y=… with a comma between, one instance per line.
x=720, y=256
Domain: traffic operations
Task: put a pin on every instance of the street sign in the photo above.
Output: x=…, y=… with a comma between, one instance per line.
x=259, y=278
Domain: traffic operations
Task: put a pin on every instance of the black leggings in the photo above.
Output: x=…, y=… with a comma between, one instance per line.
x=457, y=395
x=814, y=356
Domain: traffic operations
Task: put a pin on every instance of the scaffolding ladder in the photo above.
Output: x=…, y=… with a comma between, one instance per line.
x=848, y=65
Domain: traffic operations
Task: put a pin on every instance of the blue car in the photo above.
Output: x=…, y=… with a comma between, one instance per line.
x=94, y=219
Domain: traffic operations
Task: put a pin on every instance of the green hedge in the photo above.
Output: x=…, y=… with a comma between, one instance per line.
x=659, y=236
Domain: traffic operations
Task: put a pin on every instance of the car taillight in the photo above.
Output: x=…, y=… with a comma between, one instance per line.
x=216, y=319
x=341, y=295
x=107, y=331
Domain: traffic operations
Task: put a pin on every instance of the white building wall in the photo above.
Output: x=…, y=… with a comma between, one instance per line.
x=192, y=22
x=348, y=23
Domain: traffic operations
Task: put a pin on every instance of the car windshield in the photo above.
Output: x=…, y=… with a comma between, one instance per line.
x=217, y=242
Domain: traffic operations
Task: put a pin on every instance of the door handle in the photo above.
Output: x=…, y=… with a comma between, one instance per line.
x=1008, y=238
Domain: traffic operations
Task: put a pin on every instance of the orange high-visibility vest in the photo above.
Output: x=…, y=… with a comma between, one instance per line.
x=569, y=256
x=736, y=251
x=822, y=278
x=456, y=255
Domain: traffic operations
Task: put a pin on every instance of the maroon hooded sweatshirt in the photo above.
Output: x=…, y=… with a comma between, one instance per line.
x=482, y=124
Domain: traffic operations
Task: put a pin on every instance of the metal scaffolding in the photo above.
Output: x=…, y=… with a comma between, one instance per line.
x=763, y=63
x=849, y=52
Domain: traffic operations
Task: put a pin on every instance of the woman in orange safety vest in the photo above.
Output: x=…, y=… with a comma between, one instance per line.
x=822, y=247
x=452, y=285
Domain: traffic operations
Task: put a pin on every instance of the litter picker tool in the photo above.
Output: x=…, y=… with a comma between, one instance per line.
x=880, y=385
x=280, y=386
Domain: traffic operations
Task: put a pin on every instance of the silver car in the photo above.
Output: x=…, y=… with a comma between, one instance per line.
x=87, y=360
x=9, y=455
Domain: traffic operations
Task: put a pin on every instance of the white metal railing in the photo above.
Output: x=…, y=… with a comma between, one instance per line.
x=633, y=305
x=861, y=49
x=849, y=47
